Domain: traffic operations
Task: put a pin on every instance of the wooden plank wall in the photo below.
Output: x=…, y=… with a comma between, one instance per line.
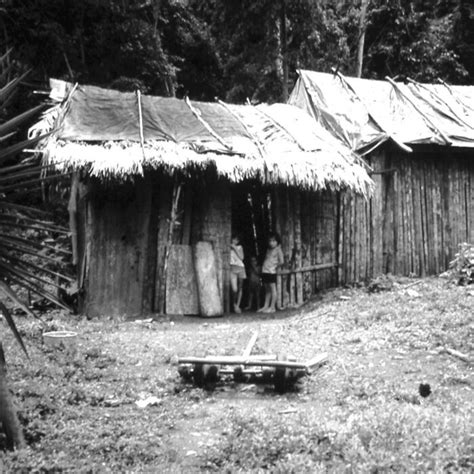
x=118, y=232
x=306, y=222
x=421, y=210
x=126, y=229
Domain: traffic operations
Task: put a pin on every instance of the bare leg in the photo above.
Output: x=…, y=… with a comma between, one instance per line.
x=257, y=296
x=234, y=285
x=250, y=298
x=238, y=299
x=272, y=300
x=268, y=295
x=273, y=288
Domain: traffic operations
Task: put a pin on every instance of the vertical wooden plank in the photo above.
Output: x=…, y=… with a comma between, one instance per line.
x=429, y=213
x=150, y=245
x=387, y=238
x=349, y=239
x=339, y=237
x=416, y=219
x=276, y=196
x=285, y=243
x=469, y=191
x=352, y=242
x=163, y=210
x=405, y=186
x=424, y=236
x=436, y=203
x=298, y=246
x=410, y=218
x=289, y=235
x=377, y=216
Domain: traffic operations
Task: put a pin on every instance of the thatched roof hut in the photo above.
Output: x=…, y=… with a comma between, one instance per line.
x=418, y=139
x=113, y=134
x=155, y=176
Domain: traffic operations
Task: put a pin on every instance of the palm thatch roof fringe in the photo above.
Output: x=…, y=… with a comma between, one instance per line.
x=106, y=134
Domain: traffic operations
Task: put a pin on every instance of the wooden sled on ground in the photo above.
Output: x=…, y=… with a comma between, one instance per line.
x=282, y=372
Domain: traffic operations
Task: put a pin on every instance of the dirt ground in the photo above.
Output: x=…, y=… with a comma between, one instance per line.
x=361, y=411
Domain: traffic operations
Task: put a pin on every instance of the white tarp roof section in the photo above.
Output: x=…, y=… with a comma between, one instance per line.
x=364, y=113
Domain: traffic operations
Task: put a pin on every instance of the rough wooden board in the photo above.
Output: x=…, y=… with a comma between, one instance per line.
x=181, y=285
x=210, y=302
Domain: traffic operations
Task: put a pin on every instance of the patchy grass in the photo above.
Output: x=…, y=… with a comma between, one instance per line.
x=360, y=412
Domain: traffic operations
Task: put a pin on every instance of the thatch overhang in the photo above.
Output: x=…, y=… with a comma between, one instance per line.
x=116, y=135
x=364, y=113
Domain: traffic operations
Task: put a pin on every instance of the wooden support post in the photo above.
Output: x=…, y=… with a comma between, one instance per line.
x=173, y=216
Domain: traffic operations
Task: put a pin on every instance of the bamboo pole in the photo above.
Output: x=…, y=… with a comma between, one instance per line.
x=459, y=120
x=140, y=122
x=235, y=360
x=198, y=115
x=370, y=114
x=173, y=217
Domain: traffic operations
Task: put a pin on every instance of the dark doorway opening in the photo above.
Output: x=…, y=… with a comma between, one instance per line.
x=253, y=219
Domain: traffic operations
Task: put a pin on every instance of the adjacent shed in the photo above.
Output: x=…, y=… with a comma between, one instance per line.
x=419, y=141
x=159, y=185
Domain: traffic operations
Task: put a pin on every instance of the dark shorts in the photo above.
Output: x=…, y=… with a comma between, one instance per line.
x=269, y=278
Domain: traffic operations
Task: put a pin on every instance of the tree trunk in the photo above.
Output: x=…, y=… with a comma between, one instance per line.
x=284, y=52
x=8, y=417
x=360, y=46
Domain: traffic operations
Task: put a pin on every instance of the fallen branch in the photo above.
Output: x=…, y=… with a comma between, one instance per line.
x=300, y=319
x=412, y=284
x=459, y=355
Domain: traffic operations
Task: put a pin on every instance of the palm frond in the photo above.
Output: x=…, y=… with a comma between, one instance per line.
x=7, y=90
x=8, y=318
x=17, y=147
x=15, y=122
x=26, y=261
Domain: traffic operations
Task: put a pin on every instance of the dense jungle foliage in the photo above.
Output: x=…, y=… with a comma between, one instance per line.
x=238, y=49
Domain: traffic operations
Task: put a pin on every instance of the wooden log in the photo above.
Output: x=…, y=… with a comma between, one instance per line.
x=232, y=359
x=319, y=359
x=253, y=362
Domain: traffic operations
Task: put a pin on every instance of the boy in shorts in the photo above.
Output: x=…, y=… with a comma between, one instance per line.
x=273, y=260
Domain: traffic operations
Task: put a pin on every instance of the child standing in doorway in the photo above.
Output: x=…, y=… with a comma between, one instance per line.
x=273, y=260
x=237, y=272
x=254, y=283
